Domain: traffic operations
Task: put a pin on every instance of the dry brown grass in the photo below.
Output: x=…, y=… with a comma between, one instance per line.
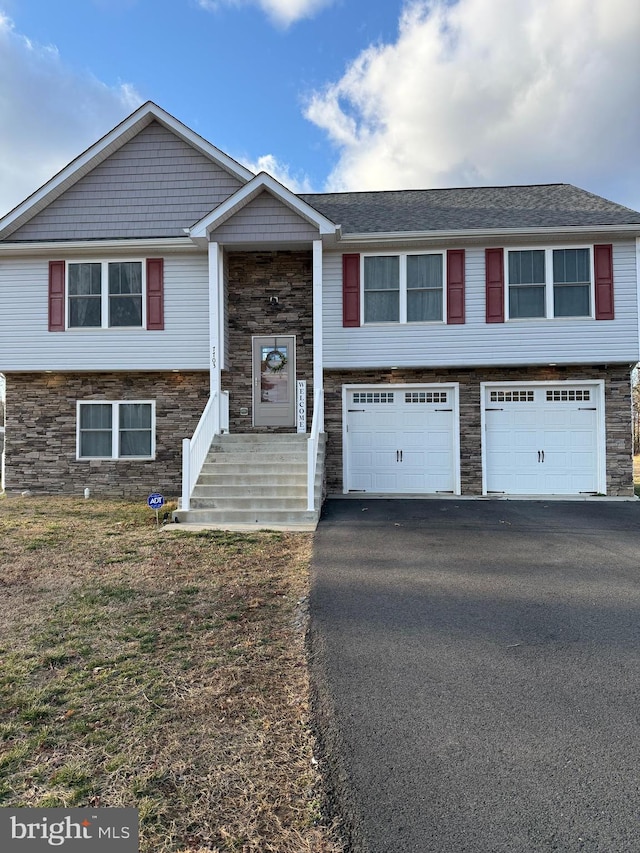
x=160, y=671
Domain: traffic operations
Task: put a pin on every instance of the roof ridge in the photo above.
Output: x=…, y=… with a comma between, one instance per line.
x=446, y=189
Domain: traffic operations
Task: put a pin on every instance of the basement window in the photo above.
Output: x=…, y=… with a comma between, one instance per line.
x=116, y=430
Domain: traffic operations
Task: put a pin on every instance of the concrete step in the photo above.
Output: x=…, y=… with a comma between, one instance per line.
x=258, y=468
x=244, y=516
x=247, y=437
x=221, y=490
x=255, y=481
x=257, y=457
x=247, y=478
x=250, y=503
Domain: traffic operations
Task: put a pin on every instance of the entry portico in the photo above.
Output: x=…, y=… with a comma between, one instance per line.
x=265, y=319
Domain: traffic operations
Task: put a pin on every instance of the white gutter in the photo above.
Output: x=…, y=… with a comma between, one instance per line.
x=484, y=233
x=62, y=247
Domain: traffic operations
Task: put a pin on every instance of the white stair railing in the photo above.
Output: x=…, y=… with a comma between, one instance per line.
x=313, y=446
x=213, y=421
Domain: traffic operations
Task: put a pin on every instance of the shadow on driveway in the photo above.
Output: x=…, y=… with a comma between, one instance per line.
x=477, y=674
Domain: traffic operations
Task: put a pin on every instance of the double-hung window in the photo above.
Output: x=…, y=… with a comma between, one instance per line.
x=549, y=282
x=105, y=294
x=116, y=430
x=403, y=288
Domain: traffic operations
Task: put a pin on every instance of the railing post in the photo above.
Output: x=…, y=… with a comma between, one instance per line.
x=311, y=473
x=224, y=411
x=186, y=474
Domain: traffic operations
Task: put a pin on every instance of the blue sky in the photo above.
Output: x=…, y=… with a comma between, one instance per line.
x=335, y=94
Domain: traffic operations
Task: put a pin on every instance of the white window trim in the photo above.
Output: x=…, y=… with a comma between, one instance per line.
x=115, y=431
x=104, y=293
x=549, y=283
x=402, y=282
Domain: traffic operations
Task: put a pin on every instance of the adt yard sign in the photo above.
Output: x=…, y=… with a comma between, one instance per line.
x=155, y=501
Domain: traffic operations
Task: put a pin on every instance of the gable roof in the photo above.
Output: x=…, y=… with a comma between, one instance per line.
x=104, y=148
x=251, y=190
x=469, y=208
x=391, y=214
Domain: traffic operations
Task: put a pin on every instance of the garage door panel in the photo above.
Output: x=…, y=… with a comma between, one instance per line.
x=403, y=443
x=542, y=440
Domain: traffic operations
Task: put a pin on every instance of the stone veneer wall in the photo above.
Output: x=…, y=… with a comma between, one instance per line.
x=253, y=277
x=41, y=432
x=617, y=409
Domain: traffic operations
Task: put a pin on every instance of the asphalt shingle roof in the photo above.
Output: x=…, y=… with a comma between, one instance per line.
x=468, y=208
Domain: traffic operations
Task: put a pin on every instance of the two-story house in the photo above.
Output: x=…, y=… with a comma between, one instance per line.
x=171, y=322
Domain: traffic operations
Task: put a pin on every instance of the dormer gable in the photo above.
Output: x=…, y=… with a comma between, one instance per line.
x=263, y=210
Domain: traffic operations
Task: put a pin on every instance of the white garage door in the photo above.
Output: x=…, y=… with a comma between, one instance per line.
x=542, y=440
x=401, y=440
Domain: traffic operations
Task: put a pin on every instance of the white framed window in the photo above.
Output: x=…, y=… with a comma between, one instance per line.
x=106, y=294
x=550, y=282
x=403, y=288
x=115, y=429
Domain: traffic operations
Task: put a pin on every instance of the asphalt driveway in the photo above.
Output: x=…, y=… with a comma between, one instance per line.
x=477, y=674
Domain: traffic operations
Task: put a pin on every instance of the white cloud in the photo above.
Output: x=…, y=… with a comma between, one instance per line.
x=282, y=12
x=281, y=172
x=48, y=113
x=490, y=92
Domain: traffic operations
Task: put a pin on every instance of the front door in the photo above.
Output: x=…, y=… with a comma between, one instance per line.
x=274, y=374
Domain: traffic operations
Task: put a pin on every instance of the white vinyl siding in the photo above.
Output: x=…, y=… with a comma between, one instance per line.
x=478, y=343
x=26, y=344
x=122, y=429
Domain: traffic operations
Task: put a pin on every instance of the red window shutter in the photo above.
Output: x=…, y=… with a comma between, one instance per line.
x=494, y=270
x=603, y=264
x=155, y=294
x=455, y=286
x=56, y=296
x=351, y=290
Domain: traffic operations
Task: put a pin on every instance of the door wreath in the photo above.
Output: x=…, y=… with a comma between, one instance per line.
x=275, y=361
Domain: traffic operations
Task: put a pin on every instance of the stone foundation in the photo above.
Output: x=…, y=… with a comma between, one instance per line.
x=617, y=410
x=41, y=432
